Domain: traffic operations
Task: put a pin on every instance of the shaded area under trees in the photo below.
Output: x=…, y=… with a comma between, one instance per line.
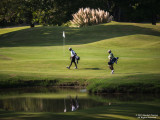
x=57, y=12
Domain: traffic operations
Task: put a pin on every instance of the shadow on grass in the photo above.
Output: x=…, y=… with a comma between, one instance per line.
x=52, y=36
x=93, y=69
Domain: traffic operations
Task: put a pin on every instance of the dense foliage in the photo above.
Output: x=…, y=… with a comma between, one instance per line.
x=57, y=12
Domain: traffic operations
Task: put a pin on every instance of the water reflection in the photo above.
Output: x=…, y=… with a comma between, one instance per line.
x=44, y=105
x=129, y=97
x=74, y=104
x=64, y=100
x=47, y=100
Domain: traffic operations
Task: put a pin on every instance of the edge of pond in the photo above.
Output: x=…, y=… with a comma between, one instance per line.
x=92, y=88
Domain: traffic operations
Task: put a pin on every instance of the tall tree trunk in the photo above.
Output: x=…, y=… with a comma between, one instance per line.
x=154, y=19
x=31, y=25
x=119, y=14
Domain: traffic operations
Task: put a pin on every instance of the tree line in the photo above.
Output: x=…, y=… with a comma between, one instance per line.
x=57, y=12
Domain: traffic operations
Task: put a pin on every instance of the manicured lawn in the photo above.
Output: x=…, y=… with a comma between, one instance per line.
x=38, y=54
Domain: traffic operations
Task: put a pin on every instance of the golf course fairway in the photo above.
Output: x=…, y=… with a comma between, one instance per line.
x=39, y=56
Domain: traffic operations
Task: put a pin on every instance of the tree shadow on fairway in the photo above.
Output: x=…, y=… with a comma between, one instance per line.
x=52, y=36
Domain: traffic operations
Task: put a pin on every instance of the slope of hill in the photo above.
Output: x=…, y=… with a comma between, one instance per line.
x=39, y=56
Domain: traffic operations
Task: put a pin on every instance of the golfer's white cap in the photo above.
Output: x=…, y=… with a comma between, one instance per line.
x=109, y=51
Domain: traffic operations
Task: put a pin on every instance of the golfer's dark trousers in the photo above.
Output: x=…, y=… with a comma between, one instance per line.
x=73, y=60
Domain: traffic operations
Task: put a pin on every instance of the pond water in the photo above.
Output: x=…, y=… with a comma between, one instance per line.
x=41, y=99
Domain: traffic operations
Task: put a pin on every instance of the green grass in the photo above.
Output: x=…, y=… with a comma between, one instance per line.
x=30, y=54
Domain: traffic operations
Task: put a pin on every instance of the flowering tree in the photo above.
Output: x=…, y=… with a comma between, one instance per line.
x=87, y=16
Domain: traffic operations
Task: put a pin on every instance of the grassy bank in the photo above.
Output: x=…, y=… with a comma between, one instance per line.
x=37, y=56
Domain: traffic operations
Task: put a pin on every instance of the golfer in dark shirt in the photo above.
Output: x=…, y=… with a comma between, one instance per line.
x=112, y=60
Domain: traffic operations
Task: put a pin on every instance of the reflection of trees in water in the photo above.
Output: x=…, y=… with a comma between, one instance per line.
x=18, y=91
x=44, y=105
x=126, y=97
x=57, y=105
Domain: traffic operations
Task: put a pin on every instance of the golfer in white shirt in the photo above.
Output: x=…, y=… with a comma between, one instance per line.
x=73, y=55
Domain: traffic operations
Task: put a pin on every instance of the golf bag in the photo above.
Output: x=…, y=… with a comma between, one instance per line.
x=77, y=58
x=114, y=60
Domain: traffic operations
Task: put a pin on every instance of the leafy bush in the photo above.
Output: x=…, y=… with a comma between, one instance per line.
x=87, y=16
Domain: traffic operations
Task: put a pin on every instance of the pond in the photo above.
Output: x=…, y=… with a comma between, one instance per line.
x=46, y=99
x=42, y=99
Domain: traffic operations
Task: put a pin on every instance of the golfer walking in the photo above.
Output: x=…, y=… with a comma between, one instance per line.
x=73, y=58
x=112, y=60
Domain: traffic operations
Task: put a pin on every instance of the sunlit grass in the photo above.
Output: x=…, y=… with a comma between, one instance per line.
x=13, y=29
x=38, y=53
